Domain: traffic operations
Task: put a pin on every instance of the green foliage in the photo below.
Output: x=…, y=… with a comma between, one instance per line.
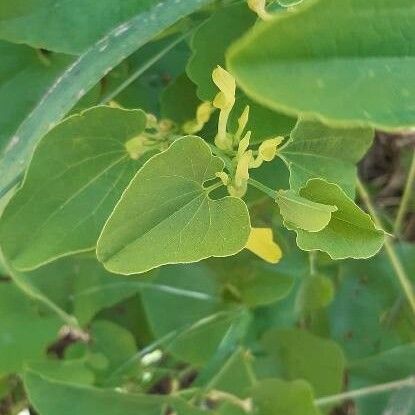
x=300, y=355
x=178, y=214
x=349, y=233
x=83, y=162
x=315, y=150
x=332, y=71
x=179, y=227
x=30, y=22
x=275, y=397
x=26, y=334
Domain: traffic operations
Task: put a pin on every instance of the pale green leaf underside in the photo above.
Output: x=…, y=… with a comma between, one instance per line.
x=350, y=233
x=302, y=213
x=350, y=62
x=166, y=216
x=76, y=176
x=316, y=150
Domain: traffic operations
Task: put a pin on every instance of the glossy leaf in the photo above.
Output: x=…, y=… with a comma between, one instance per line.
x=350, y=233
x=315, y=150
x=80, y=76
x=76, y=176
x=166, y=202
x=325, y=68
x=299, y=212
x=299, y=355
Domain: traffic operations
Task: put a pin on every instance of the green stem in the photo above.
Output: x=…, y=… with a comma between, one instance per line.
x=406, y=197
x=370, y=390
x=389, y=248
x=265, y=189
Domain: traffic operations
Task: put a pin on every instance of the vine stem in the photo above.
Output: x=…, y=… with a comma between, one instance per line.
x=370, y=390
x=389, y=248
x=406, y=197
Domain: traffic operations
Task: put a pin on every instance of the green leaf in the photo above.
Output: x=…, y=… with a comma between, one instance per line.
x=289, y=3
x=314, y=293
x=24, y=79
x=235, y=375
x=25, y=334
x=224, y=26
x=62, y=30
x=118, y=347
x=206, y=320
x=81, y=286
x=276, y=397
x=299, y=212
x=70, y=371
x=80, y=76
x=179, y=101
x=50, y=398
x=350, y=233
x=393, y=364
x=166, y=202
x=253, y=282
x=301, y=355
x=328, y=59
x=263, y=122
x=316, y=150
x=75, y=178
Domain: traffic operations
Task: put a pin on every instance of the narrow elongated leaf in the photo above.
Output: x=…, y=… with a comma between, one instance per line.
x=347, y=62
x=77, y=78
x=167, y=204
x=58, y=26
x=302, y=213
x=76, y=176
x=316, y=150
x=51, y=397
x=350, y=233
x=301, y=355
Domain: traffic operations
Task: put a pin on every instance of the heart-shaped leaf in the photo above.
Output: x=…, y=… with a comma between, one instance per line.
x=76, y=176
x=166, y=204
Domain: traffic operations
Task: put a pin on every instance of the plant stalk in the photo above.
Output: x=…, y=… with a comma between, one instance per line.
x=370, y=390
x=406, y=197
x=389, y=248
